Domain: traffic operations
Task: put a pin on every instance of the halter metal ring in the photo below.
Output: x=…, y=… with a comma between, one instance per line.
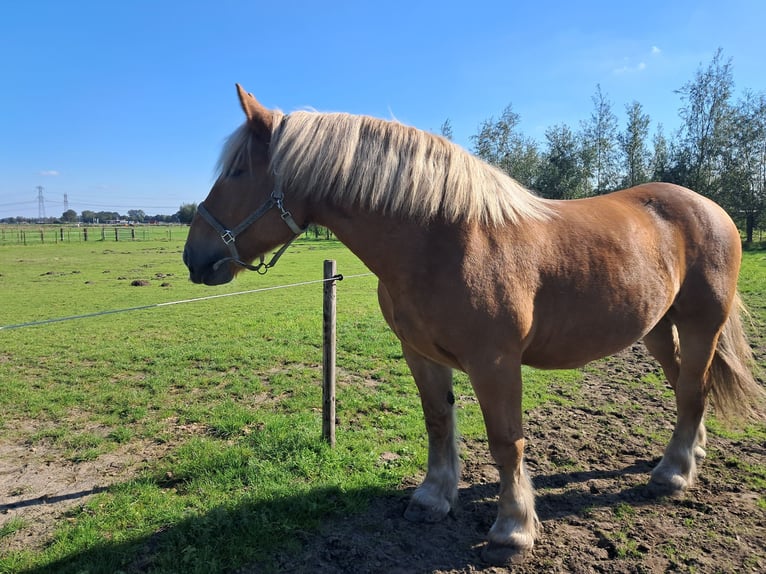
x=228, y=237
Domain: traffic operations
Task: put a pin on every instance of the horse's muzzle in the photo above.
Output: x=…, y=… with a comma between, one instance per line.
x=203, y=269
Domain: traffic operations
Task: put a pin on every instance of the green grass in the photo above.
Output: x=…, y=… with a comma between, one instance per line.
x=232, y=384
x=228, y=390
x=11, y=526
x=231, y=387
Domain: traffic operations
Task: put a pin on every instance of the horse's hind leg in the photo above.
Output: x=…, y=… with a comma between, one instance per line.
x=678, y=467
x=662, y=343
x=436, y=496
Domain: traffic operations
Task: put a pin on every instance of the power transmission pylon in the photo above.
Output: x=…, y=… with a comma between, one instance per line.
x=40, y=204
x=66, y=203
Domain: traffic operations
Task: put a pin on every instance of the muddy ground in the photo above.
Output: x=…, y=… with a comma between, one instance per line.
x=590, y=465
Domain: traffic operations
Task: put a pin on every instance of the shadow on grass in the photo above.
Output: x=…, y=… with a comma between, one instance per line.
x=322, y=530
x=221, y=539
x=45, y=499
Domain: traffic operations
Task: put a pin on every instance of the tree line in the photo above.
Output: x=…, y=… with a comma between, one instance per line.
x=719, y=150
x=184, y=215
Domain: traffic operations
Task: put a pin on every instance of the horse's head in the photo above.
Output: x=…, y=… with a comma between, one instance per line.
x=243, y=216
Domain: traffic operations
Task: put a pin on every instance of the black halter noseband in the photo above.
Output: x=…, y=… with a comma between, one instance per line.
x=229, y=236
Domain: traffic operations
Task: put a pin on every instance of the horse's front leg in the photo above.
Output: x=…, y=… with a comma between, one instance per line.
x=436, y=496
x=498, y=387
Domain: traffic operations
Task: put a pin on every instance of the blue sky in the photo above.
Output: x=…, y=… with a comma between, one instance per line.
x=124, y=104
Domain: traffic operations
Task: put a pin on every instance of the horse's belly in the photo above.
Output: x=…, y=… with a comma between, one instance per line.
x=568, y=358
x=568, y=348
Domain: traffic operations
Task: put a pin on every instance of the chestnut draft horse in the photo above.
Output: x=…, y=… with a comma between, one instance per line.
x=478, y=274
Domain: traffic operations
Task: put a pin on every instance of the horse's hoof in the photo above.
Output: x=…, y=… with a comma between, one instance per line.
x=502, y=555
x=668, y=485
x=699, y=452
x=417, y=512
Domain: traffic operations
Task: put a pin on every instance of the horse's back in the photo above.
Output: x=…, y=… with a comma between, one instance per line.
x=616, y=264
x=670, y=220
x=700, y=219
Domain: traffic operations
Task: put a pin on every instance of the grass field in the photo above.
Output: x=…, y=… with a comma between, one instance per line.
x=219, y=399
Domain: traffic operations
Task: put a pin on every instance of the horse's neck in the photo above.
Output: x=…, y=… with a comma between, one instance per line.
x=389, y=246
x=394, y=248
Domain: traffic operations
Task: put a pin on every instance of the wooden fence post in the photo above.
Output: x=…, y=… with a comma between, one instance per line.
x=328, y=357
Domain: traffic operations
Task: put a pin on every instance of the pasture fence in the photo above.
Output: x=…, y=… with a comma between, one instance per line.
x=43, y=234
x=18, y=234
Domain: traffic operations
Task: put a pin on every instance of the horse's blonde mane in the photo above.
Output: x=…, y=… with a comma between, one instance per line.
x=382, y=165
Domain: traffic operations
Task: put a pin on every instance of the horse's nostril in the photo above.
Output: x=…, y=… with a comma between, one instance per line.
x=187, y=262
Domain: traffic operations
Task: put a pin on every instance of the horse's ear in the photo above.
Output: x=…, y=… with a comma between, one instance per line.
x=258, y=117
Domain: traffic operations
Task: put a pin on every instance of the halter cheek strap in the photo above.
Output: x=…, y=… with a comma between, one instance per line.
x=229, y=236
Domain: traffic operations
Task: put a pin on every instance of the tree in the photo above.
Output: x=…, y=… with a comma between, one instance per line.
x=500, y=143
x=705, y=115
x=743, y=166
x=104, y=216
x=600, y=139
x=186, y=213
x=69, y=216
x=562, y=170
x=446, y=129
x=633, y=145
x=88, y=216
x=659, y=165
x=136, y=215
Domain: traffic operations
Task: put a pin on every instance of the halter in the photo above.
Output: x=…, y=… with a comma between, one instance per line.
x=229, y=236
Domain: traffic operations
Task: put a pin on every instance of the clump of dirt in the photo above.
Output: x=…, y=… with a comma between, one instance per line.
x=139, y=283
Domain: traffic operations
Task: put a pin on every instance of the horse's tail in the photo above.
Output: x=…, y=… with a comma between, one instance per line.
x=735, y=393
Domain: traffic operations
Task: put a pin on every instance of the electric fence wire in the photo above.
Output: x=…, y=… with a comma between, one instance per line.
x=181, y=302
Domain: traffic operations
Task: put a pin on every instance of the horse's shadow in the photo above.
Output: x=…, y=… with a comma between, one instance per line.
x=377, y=539
x=553, y=506
x=454, y=544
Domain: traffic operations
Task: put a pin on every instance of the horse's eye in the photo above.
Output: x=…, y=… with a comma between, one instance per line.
x=235, y=173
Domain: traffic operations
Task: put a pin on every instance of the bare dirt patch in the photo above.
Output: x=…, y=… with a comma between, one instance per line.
x=591, y=464
x=38, y=485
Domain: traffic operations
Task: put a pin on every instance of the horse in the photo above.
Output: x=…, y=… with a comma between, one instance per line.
x=477, y=273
